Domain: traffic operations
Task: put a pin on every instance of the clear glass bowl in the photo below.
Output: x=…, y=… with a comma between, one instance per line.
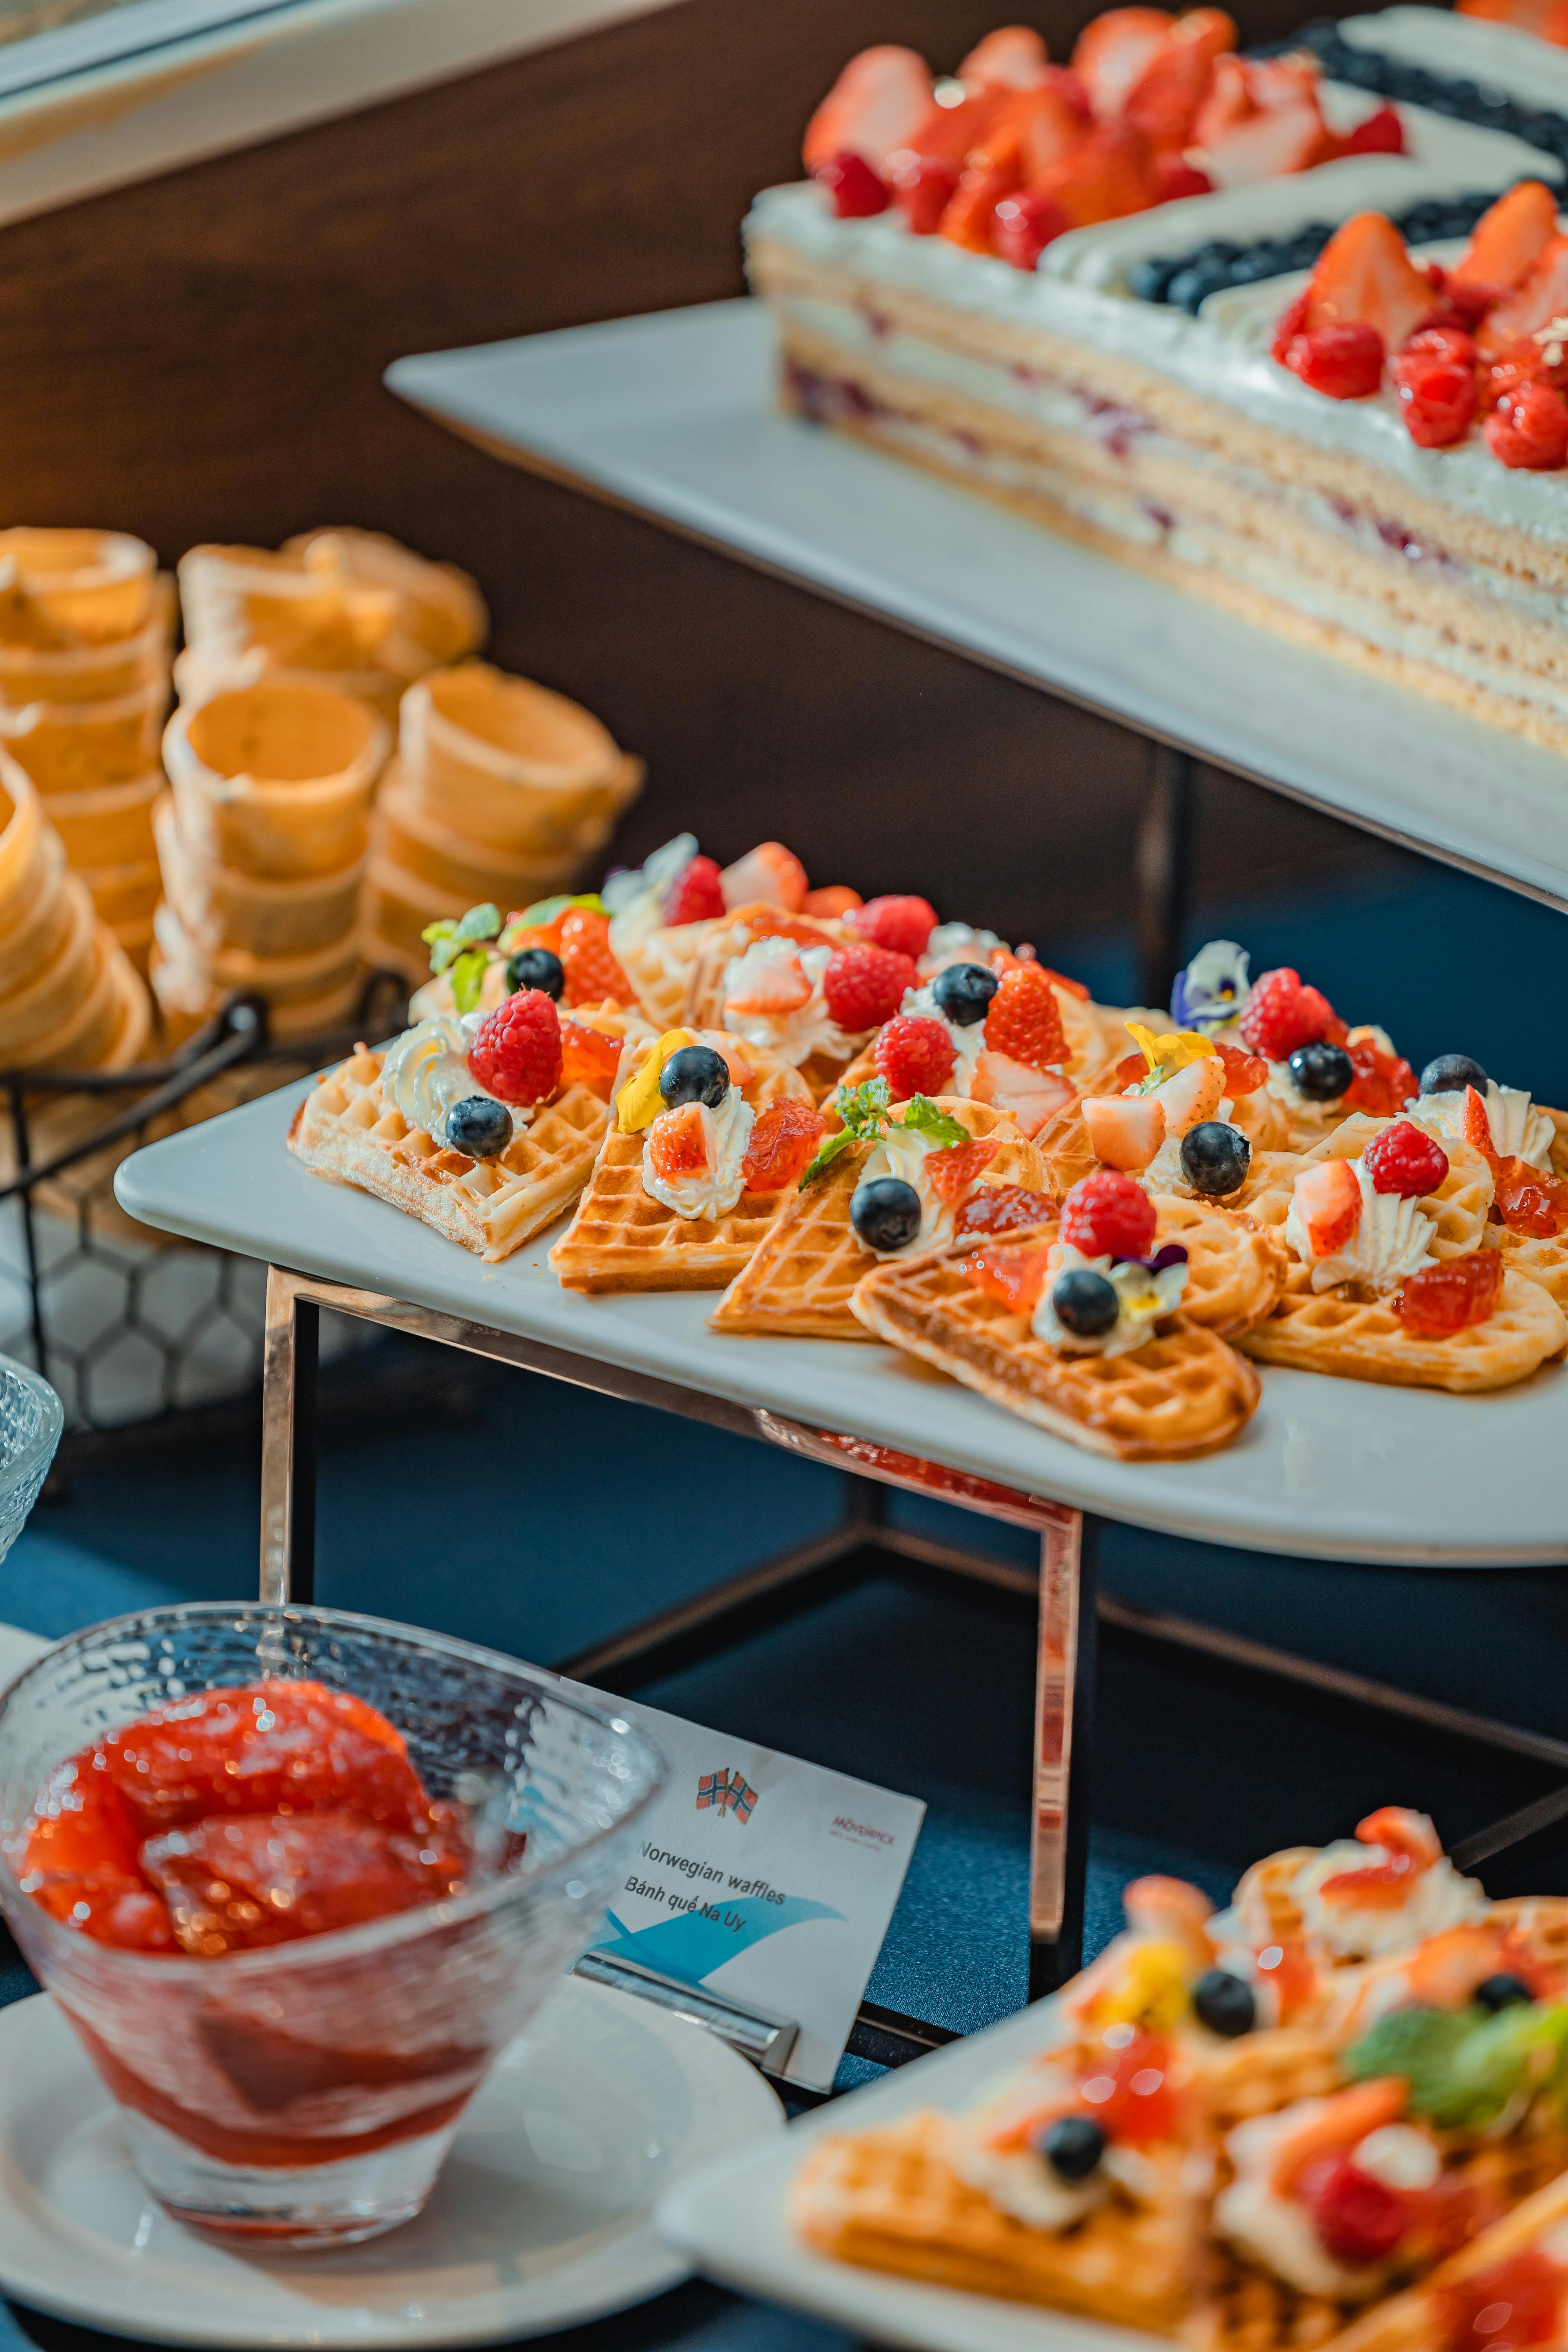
x=306, y=2093
x=31, y=1419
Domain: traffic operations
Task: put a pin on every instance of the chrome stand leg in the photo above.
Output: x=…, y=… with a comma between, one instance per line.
x=291, y=1353
x=1160, y=865
x=1064, y=1728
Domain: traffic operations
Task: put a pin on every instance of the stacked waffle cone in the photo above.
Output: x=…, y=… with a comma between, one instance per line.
x=70, y=998
x=499, y=792
x=349, y=610
x=262, y=840
x=86, y=626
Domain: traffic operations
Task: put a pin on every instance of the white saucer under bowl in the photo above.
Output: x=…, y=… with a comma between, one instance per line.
x=542, y=2217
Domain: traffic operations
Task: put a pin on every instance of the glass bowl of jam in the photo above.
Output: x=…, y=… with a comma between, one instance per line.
x=296, y=1877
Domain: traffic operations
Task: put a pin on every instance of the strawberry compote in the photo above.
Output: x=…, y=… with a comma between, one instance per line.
x=237, y=1819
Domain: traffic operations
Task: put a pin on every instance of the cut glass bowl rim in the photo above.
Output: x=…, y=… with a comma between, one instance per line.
x=374, y=1935
x=34, y=1458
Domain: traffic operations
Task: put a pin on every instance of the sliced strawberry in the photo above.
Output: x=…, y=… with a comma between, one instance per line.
x=951, y=134
x=1174, y=178
x=1543, y=296
x=1124, y=1130
x=1364, y=277
x=1112, y=50
x=1327, y=1201
x=1193, y=1096
x=775, y=985
x=1267, y=146
x=951, y=1174
x=1477, y=1128
x=1110, y=175
x=1049, y=127
x=1380, y=134
x=771, y=874
x=1509, y=240
x=970, y=220
x=1165, y=99
x=1031, y=1096
x=681, y=1141
x=878, y=103
x=1013, y=56
x=1229, y=100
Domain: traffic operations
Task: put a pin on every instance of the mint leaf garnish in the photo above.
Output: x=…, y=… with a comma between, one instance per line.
x=479, y=923
x=441, y=930
x=862, y=1108
x=469, y=978
x=922, y=1114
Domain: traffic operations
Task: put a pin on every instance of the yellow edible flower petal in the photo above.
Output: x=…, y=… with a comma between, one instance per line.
x=640, y=1102
x=1149, y=1989
x=1173, y=1053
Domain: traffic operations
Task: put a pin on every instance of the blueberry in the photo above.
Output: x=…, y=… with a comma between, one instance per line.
x=1147, y=280
x=885, y=1213
x=1191, y=287
x=1215, y=1156
x=1072, y=2146
x=1226, y=2003
x=536, y=968
x=1322, y=1073
x=964, y=991
x=695, y=1073
x=1450, y=1074
x=1085, y=1304
x=1501, y=1992
x=1217, y=250
x=480, y=1126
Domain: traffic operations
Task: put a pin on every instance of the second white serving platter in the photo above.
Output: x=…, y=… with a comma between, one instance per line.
x=674, y=415
x=732, y=2220
x=542, y=2217
x=1327, y=1469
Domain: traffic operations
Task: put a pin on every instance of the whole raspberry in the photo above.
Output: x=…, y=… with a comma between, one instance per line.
x=915, y=1054
x=783, y=1141
x=1281, y=1014
x=696, y=895
x=1109, y=1215
x=1529, y=428
x=1405, y=1159
x=865, y=986
x=1357, y=2218
x=1344, y=362
x=1025, y=1021
x=516, y=1052
x=1437, y=389
x=903, y=924
x=591, y=971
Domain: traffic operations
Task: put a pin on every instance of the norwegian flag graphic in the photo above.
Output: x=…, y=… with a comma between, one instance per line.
x=726, y=1792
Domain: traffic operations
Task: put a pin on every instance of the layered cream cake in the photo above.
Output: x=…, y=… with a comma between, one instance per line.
x=1123, y=389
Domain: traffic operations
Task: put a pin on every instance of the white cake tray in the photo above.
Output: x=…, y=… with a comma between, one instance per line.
x=672, y=415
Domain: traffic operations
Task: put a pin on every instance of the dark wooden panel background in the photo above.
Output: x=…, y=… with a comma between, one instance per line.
x=200, y=357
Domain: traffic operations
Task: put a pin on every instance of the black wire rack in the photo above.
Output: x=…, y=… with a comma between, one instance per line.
x=150, y=1342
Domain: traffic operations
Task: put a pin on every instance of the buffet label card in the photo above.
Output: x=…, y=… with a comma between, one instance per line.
x=766, y=1878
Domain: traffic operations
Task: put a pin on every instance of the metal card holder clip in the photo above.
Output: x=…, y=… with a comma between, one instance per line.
x=765, y=2039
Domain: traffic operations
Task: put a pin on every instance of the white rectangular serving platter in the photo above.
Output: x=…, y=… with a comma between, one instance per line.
x=730, y=2220
x=673, y=416
x=1327, y=1469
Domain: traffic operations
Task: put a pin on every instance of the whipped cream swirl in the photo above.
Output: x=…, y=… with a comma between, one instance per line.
x=1392, y=1240
x=426, y=1073
x=794, y=1033
x=713, y=1189
x=1519, y=1130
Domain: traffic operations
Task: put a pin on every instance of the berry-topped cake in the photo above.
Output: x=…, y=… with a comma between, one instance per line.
x=1287, y=329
